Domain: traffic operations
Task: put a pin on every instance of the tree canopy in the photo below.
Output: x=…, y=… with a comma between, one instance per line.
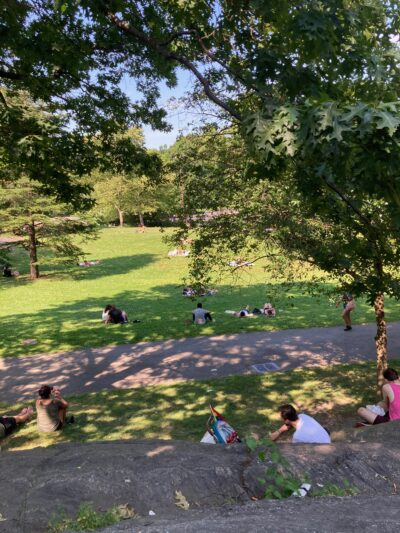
x=312, y=85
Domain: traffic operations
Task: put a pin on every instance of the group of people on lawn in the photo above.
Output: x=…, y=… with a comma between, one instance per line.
x=308, y=430
x=112, y=315
x=51, y=410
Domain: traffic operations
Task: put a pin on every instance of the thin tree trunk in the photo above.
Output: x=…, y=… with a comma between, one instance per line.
x=121, y=216
x=380, y=341
x=141, y=219
x=33, y=251
x=183, y=205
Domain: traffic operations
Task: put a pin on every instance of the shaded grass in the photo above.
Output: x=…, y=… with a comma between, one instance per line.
x=180, y=411
x=62, y=310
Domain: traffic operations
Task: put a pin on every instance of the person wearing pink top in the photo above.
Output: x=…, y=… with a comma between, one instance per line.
x=390, y=401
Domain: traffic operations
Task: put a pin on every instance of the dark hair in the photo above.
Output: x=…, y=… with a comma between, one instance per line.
x=45, y=391
x=108, y=308
x=390, y=374
x=199, y=305
x=288, y=412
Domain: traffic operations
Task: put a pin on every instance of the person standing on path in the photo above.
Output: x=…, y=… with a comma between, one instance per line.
x=349, y=305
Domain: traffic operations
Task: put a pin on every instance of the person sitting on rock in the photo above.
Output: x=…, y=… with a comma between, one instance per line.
x=200, y=315
x=51, y=410
x=9, y=423
x=390, y=402
x=307, y=429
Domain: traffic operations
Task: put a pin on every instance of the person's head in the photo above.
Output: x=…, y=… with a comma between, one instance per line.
x=108, y=307
x=242, y=313
x=200, y=305
x=347, y=296
x=390, y=374
x=45, y=392
x=288, y=413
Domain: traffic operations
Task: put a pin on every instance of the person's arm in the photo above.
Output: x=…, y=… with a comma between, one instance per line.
x=193, y=317
x=384, y=403
x=276, y=434
x=60, y=399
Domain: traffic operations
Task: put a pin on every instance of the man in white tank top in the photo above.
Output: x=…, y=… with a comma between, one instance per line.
x=307, y=429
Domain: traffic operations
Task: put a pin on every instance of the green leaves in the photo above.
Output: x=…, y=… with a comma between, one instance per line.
x=279, y=479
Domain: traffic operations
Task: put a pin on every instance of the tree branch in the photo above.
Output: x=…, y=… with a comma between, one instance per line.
x=172, y=56
x=348, y=202
x=7, y=75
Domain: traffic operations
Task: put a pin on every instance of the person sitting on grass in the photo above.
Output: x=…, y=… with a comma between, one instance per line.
x=113, y=315
x=307, y=429
x=9, y=423
x=7, y=272
x=51, y=410
x=390, y=402
x=200, y=315
x=268, y=310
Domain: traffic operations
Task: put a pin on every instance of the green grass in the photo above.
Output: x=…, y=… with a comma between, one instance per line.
x=86, y=519
x=180, y=411
x=62, y=310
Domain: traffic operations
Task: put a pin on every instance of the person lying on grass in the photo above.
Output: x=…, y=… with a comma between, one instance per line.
x=390, y=402
x=113, y=315
x=9, y=423
x=243, y=312
x=51, y=410
x=307, y=429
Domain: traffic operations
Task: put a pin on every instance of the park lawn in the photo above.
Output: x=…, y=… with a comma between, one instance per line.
x=62, y=310
x=180, y=411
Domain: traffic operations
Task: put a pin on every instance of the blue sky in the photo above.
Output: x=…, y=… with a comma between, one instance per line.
x=178, y=117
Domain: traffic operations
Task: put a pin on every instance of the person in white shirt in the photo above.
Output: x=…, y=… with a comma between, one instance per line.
x=200, y=315
x=307, y=429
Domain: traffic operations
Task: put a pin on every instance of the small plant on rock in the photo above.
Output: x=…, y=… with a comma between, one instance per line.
x=331, y=489
x=88, y=519
x=279, y=479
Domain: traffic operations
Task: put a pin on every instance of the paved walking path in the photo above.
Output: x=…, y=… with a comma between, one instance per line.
x=151, y=363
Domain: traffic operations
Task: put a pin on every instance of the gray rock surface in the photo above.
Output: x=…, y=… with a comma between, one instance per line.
x=217, y=481
x=311, y=515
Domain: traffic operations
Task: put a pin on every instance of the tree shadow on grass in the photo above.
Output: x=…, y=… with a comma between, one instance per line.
x=163, y=311
x=128, y=365
x=107, y=267
x=180, y=411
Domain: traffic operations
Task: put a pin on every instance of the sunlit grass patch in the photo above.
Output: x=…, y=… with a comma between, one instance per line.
x=62, y=311
x=180, y=411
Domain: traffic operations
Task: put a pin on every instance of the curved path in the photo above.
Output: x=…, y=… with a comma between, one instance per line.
x=151, y=363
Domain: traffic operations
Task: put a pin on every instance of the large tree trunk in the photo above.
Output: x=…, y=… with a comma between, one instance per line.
x=121, y=216
x=141, y=219
x=33, y=251
x=380, y=340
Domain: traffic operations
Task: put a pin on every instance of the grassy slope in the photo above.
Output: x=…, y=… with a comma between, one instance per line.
x=180, y=411
x=62, y=310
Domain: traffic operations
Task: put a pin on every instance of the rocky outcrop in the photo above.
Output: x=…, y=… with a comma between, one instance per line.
x=218, y=483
